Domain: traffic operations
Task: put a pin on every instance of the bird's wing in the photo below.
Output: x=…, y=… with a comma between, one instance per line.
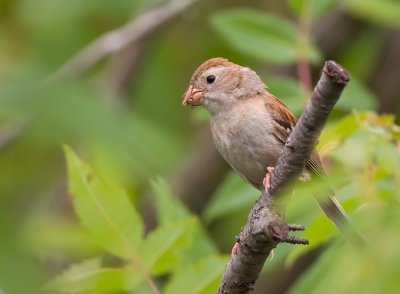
x=285, y=122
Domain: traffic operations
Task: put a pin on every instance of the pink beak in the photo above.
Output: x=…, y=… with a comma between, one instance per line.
x=193, y=96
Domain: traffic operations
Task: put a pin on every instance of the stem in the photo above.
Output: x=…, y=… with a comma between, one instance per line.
x=303, y=65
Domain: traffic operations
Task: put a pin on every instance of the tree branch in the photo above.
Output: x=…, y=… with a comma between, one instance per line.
x=118, y=39
x=265, y=229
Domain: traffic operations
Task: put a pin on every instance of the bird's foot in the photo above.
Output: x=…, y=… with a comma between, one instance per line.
x=267, y=178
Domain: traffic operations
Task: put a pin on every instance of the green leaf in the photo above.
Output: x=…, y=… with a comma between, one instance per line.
x=306, y=285
x=163, y=247
x=342, y=129
x=321, y=230
x=361, y=48
x=89, y=276
x=170, y=211
x=202, y=277
x=385, y=12
x=356, y=96
x=104, y=210
x=317, y=7
x=232, y=195
x=264, y=36
x=169, y=208
x=368, y=269
x=54, y=235
x=201, y=247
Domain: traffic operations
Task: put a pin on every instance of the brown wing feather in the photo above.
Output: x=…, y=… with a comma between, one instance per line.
x=285, y=123
x=285, y=120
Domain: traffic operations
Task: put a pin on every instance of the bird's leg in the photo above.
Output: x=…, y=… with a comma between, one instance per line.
x=290, y=239
x=267, y=178
x=235, y=247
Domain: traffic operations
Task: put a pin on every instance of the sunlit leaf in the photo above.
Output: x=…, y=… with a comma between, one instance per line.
x=369, y=269
x=170, y=211
x=202, y=277
x=264, y=36
x=162, y=248
x=89, y=276
x=104, y=210
x=387, y=159
x=340, y=130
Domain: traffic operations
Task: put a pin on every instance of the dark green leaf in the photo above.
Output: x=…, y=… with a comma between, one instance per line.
x=264, y=36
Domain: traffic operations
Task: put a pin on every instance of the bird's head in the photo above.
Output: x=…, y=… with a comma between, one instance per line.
x=219, y=83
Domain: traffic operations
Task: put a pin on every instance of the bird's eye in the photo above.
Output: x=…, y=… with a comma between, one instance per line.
x=210, y=79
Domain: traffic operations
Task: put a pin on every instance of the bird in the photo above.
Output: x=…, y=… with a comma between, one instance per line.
x=250, y=126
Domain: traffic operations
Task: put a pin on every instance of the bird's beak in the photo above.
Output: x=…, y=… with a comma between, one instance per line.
x=193, y=96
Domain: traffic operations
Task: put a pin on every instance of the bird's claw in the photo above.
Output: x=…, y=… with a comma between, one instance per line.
x=267, y=178
x=235, y=249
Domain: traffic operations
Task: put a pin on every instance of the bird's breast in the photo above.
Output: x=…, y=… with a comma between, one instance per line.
x=244, y=137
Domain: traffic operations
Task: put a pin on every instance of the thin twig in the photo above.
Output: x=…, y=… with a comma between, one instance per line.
x=118, y=39
x=265, y=229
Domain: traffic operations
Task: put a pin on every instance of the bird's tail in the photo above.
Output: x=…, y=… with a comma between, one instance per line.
x=335, y=212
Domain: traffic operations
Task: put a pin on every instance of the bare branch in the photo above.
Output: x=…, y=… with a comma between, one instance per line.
x=265, y=229
x=118, y=39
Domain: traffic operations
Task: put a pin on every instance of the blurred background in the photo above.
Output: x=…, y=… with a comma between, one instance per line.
x=106, y=78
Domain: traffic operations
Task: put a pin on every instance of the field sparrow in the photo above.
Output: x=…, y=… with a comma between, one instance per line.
x=248, y=124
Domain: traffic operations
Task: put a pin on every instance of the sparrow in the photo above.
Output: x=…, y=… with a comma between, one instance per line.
x=249, y=125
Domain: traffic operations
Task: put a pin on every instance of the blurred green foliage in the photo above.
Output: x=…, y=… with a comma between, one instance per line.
x=179, y=240
x=242, y=27
x=100, y=237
